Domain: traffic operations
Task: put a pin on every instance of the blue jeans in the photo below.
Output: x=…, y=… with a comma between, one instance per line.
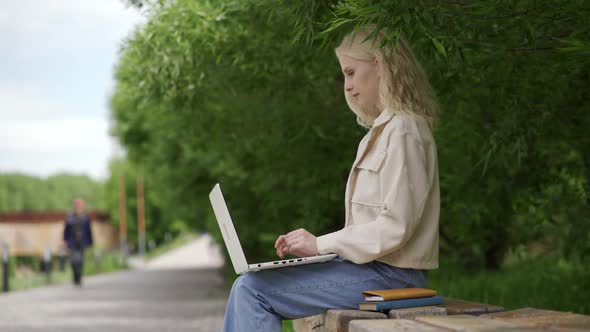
x=259, y=301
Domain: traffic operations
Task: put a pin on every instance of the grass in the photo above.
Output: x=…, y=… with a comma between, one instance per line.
x=544, y=282
x=108, y=262
x=39, y=280
x=288, y=326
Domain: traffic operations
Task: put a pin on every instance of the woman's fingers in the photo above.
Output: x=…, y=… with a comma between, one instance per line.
x=295, y=247
x=294, y=239
x=297, y=242
x=281, y=246
x=296, y=232
x=281, y=251
x=279, y=240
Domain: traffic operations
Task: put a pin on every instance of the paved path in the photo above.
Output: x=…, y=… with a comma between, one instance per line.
x=200, y=253
x=143, y=300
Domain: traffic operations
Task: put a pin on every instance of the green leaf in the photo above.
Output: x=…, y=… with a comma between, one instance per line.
x=439, y=46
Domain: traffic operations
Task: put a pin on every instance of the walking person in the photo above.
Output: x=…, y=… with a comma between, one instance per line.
x=390, y=236
x=77, y=237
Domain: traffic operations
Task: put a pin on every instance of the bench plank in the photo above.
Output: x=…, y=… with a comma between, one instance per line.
x=468, y=323
x=337, y=320
x=543, y=318
x=310, y=324
x=391, y=325
x=460, y=307
x=411, y=313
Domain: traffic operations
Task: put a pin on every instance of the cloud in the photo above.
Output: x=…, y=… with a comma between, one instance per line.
x=53, y=135
x=66, y=160
x=55, y=75
x=56, y=26
x=21, y=102
x=45, y=137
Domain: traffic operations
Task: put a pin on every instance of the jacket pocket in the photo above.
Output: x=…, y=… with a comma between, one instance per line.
x=368, y=186
x=373, y=161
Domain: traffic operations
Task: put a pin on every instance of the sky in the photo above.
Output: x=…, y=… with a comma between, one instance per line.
x=57, y=61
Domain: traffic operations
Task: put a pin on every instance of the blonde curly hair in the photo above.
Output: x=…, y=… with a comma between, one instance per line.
x=403, y=86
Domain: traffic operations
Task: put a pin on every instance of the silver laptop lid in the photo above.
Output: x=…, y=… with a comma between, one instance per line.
x=230, y=237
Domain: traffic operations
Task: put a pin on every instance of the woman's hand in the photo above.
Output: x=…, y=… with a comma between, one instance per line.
x=299, y=242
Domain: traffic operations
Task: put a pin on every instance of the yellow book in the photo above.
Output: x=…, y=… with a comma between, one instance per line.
x=397, y=294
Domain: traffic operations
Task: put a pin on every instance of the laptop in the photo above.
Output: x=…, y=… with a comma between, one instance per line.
x=232, y=242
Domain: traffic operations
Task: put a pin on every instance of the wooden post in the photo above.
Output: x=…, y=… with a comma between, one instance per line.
x=5, y=268
x=140, y=216
x=47, y=264
x=122, y=216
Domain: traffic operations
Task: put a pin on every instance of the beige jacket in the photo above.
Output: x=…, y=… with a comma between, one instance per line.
x=392, y=197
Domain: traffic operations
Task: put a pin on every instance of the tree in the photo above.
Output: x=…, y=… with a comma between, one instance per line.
x=249, y=94
x=56, y=192
x=510, y=78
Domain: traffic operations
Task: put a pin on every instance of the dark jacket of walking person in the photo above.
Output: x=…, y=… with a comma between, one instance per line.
x=77, y=237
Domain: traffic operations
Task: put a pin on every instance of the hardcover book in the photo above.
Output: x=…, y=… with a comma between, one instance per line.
x=403, y=303
x=397, y=294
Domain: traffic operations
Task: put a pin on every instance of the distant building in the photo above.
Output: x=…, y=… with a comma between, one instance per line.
x=28, y=233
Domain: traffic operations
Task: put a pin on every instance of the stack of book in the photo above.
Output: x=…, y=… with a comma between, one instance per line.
x=386, y=299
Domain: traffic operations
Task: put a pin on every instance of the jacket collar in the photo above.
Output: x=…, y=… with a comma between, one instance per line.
x=382, y=119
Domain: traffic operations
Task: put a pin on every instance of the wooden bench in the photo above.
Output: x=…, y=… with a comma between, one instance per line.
x=453, y=315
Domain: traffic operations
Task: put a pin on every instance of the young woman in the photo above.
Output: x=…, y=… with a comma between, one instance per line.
x=390, y=236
